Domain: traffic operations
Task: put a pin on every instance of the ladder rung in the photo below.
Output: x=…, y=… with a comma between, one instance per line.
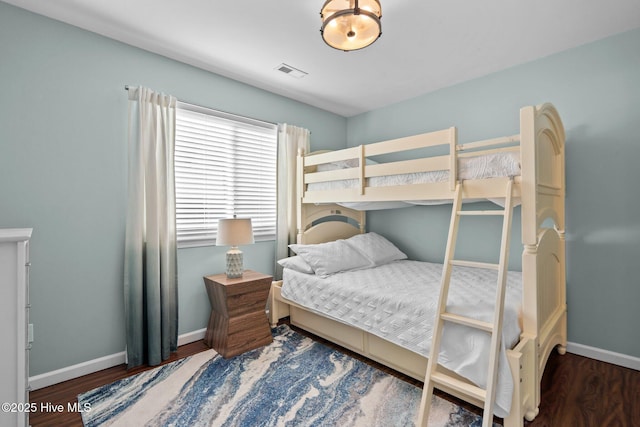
x=461, y=387
x=474, y=264
x=467, y=321
x=497, y=212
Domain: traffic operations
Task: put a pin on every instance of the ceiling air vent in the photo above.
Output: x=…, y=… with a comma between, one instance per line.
x=291, y=71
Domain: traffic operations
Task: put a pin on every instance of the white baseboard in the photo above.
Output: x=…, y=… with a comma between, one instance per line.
x=604, y=355
x=190, y=337
x=54, y=377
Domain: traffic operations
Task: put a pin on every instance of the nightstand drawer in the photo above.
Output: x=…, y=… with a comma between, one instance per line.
x=251, y=321
x=250, y=297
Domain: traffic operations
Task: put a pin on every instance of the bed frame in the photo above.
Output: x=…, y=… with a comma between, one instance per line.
x=541, y=188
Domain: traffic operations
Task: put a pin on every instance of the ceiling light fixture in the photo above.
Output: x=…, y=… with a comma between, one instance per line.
x=350, y=24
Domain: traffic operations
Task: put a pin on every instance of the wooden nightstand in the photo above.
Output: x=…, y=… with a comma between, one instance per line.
x=238, y=320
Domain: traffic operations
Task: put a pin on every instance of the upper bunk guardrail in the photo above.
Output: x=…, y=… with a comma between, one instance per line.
x=489, y=146
x=351, y=163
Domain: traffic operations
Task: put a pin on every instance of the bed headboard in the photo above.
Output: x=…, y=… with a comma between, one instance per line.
x=542, y=140
x=324, y=223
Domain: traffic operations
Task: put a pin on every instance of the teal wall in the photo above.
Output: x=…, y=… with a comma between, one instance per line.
x=63, y=130
x=596, y=89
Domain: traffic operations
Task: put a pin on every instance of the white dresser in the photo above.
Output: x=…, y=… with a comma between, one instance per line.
x=14, y=319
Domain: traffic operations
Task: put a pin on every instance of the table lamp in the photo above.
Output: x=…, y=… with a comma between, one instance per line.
x=234, y=232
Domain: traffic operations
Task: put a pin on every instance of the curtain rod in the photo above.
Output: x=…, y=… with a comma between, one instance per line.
x=126, y=87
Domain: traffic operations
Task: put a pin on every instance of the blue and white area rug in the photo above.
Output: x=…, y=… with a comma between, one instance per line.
x=294, y=381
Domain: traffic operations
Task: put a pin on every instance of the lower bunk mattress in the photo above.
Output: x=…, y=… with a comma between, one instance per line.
x=398, y=302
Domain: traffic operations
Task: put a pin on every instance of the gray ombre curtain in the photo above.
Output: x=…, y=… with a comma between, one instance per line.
x=150, y=270
x=290, y=140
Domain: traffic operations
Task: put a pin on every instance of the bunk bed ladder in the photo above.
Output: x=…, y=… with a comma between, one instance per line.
x=437, y=378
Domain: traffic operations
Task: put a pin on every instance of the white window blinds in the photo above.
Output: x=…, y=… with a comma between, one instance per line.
x=225, y=165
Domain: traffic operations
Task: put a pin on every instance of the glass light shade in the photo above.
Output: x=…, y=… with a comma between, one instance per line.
x=234, y=232
x=350, y=24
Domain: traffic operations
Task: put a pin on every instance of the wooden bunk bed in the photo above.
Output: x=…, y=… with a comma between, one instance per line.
x=540, y=186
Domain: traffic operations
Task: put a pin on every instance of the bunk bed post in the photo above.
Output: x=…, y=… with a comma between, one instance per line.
x=361, y=163
x=362, y=220
x=453, y=158
x=299, y=194
x=528, y=162
x=530, y=320
x=531, y=327
x=562, y=348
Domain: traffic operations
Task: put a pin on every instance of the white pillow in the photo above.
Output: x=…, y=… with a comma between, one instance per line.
x=296, y=263
x=331, y=257
x=376, y=248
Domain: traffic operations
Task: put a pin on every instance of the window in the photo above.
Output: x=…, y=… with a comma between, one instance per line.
x=225, y=165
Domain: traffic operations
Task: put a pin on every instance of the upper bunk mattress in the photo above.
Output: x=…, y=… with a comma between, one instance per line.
x=496, y=165
x=398, y=302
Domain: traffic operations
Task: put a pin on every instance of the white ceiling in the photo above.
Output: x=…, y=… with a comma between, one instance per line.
x=425, y=45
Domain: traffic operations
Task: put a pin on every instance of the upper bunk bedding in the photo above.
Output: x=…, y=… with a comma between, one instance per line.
x=410, y=170
x=477, y=167
x=496, y=165
x=397, y=300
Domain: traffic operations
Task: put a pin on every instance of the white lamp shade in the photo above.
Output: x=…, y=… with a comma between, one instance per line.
x=234, y=232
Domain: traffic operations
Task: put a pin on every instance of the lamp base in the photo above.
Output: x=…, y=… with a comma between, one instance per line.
x=234, y=263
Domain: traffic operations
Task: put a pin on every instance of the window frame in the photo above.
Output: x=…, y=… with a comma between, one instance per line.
x=240, y=151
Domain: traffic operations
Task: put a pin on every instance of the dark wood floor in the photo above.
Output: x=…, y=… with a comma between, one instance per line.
x=576, y=392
